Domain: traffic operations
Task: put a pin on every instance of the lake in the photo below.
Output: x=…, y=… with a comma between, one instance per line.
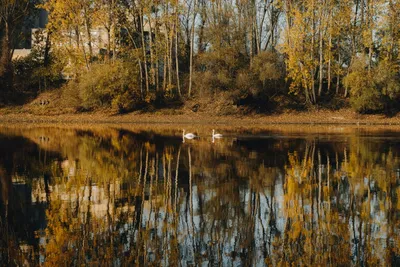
x=128, y=195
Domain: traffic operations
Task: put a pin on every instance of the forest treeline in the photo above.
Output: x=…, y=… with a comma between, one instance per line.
x=251, y=52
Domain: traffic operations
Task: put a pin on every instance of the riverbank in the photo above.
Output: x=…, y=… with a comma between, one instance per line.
x=184, y=116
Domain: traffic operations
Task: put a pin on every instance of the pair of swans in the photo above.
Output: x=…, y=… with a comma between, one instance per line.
x=192, y=136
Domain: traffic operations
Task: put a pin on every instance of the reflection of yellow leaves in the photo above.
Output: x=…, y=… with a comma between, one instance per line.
x=398, y=198
x=326, y=190
x=295, y=230
x=291, y=187
x=147, y=145
x=169, y=156
x=311, y=232
x=381, y=206
x=115, y=143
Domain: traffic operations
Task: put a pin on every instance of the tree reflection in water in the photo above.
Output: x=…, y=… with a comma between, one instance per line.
x=120, y=197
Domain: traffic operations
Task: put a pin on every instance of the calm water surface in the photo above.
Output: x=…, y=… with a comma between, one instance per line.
x=140, y=196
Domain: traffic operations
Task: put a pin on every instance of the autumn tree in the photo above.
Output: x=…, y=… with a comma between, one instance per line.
x=70, y=25
x=13, y=14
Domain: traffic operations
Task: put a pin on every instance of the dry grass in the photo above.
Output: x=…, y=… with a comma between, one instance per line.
x=203, y=111
x=187, y=116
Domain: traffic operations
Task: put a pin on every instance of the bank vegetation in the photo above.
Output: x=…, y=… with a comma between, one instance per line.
x=260, y=54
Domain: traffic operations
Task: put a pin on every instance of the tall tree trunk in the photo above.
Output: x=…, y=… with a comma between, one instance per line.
x=84, y=52
x=108, y=43
x=89, y=34
x=329, y=61
x=370, y=28
x=157, y=74
x=321, y=56
x=338, y=70
x=170, y=47
x=202, y=26
x=141, y=76
x=47, y=49
x=256, y=31
x=176, y=49
x=156, y=56
x=192, y=33
x=165, y=71
x=46, y=58
x=146, y=75
x=6, y=58
x=113, y=30
x=5, y=50
x=151, y=50
x=354, y=33
x=346, y=89
x=312, y=71
x=260, y=31
x=251, y=37
x=77, y=37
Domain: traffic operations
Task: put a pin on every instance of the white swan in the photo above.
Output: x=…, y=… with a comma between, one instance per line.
x=187, y=136
x=216, y=136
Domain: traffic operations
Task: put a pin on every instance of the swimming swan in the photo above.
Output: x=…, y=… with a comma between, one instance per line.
x=187, y=136
x=216, y=136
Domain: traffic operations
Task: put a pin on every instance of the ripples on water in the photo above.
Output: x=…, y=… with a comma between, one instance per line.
x=108, y=196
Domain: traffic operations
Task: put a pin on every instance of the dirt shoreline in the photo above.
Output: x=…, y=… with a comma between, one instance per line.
x=322, y=117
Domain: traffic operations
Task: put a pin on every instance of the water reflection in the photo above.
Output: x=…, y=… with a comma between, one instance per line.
x=107, y=196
